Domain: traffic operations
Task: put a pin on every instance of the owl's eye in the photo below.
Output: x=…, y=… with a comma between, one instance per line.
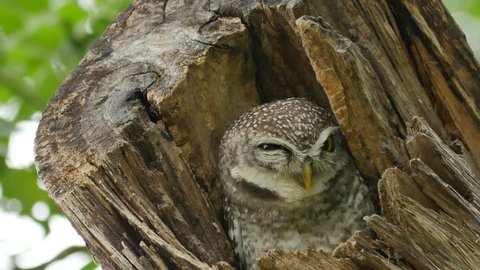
x=271, y=147
x=328, y=145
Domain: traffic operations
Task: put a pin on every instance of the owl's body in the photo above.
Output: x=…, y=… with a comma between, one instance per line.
x=289, y=181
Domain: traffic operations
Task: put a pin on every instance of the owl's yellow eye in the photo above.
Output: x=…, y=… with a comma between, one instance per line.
x=329, y=144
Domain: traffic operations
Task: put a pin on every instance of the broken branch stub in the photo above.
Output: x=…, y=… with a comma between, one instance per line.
x=127, y=147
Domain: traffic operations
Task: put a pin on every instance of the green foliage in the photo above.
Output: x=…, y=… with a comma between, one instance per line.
x=471, y=7
x=41, y=42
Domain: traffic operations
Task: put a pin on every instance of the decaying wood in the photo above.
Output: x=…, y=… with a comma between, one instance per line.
x=427, y=223
x=308, y=260
x=127, y=146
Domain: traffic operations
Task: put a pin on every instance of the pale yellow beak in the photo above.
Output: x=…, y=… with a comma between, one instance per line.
x=307, y=176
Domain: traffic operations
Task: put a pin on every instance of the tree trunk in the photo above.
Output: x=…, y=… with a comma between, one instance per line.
x=127, y=147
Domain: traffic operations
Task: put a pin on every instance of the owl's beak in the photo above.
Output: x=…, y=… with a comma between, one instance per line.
x=307, y=176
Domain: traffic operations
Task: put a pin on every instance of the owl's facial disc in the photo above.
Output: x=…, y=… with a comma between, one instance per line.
x=289, y=148
x=291, y=172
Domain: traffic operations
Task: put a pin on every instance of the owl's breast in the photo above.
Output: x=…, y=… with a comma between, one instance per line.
x=313, y=222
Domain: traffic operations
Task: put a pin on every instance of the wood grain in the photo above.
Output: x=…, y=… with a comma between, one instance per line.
x=127, y=146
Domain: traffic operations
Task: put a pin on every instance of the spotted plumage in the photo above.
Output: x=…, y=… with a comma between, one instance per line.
x=289, y=181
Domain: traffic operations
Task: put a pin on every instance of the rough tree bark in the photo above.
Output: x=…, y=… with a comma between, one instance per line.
x=127, y=146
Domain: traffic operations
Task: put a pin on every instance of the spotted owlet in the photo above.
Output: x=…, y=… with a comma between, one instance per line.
x=289, y=181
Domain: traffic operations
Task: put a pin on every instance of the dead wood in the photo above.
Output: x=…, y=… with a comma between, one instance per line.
x=127, y=147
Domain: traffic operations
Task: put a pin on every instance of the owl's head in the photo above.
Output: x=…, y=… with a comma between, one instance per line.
x=288, y=149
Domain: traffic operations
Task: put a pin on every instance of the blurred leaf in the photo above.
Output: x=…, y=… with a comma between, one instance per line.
x=22, y=185
x=471, y=7
x=6, y=128
x=47, y=36
x=28, y=5
x=89, y=266
x=9, y=21
x=4, y=94
x=72, y=13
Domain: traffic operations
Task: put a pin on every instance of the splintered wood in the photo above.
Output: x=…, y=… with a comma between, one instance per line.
x=426, y=224
x=128, y=145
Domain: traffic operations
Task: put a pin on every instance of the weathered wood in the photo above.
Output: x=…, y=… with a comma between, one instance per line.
x=447, y=68
x=428, y=224
x=309, y=260
x=114, y=156
x=370, y=254
x=451, y=167
x=127, y=146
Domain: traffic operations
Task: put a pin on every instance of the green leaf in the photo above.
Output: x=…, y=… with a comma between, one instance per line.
x=22, y=185
x=47, y=36
x=6, y=128
x=89, y=266
x=72, y=13
x=10, y=18
x=30, y=6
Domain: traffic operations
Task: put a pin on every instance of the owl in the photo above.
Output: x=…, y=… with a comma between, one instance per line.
x=289, y=181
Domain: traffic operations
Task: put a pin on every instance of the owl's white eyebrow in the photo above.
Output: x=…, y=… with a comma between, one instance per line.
x=322, y=138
